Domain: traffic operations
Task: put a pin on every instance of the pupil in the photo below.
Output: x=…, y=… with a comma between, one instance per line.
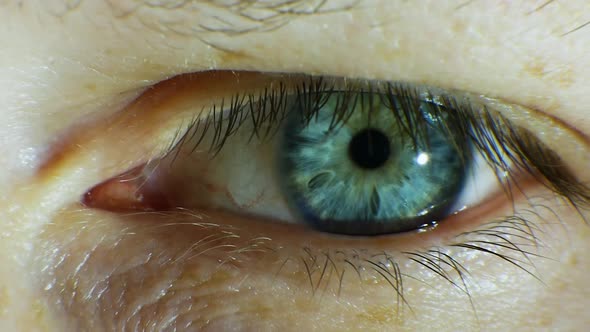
x=369, y=149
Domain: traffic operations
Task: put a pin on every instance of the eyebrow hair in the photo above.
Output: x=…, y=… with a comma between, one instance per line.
x=227, y=17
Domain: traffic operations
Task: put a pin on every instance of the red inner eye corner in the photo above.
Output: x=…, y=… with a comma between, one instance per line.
x=127, y=192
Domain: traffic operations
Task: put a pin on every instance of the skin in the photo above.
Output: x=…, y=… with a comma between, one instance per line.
x=69, y=73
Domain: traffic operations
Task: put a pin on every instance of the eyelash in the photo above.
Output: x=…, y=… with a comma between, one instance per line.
x=492, y=134
x=510, y=150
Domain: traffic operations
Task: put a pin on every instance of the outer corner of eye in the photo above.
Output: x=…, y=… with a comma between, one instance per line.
x=356, y=159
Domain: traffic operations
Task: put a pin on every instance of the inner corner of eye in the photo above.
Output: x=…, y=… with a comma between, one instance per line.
x=129, y=191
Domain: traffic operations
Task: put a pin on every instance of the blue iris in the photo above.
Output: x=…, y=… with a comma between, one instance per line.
x=367, y=176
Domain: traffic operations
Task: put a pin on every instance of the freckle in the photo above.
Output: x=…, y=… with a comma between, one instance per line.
x=545, y=321
x=194, y=278
x=4, y=300
x=566, y=78
x=90, y=87
x=306, y=304
x=562, y=76
x=38, y=315
x=572, y=259
x=535, y=68
x=390, y=52
x=378, y=314
x=149, y=67
x=558, y=285
x=458, y=26
x=262, y=311
x=231, y=57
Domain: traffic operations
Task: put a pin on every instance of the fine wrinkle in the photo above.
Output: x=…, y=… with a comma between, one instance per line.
x=142, y=274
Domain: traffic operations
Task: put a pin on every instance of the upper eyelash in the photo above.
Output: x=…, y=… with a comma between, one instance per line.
x=507, y=148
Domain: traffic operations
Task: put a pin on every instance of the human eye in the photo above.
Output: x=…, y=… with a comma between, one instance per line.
x=238, y=188
x=349, y=157
x=218, y=172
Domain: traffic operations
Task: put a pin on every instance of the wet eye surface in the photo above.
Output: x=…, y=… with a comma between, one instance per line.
x=368, y=175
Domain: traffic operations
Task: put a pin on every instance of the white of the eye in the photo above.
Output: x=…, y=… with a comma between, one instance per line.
x=480, y=184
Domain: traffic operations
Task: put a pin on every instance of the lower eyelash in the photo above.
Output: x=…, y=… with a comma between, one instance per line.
x=511, y=239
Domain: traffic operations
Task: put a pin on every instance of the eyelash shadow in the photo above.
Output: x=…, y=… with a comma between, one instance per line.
x=509, y=149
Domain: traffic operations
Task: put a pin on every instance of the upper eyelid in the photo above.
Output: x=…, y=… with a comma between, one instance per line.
x=160, y=111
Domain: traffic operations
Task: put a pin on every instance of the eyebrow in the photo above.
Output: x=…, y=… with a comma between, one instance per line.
x=222, y=16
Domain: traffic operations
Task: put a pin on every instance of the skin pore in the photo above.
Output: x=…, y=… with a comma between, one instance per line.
x=71, y=69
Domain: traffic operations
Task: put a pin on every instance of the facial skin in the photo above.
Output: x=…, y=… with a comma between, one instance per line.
x=69, y=71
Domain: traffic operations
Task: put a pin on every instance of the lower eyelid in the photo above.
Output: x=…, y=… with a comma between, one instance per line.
x=133, y=193
x=93, y=259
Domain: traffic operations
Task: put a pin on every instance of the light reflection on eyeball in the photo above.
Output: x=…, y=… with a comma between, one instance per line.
x=246, y=175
